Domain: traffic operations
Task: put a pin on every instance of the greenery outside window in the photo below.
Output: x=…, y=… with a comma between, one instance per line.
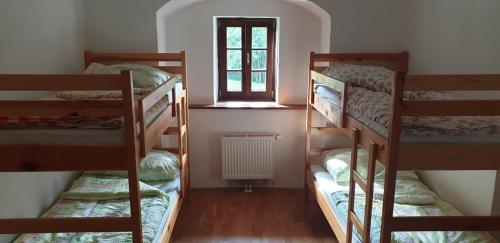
x=246, y=48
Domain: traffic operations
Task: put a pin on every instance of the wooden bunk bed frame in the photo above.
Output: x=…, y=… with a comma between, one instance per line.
x=393, y=154
x=95, y=157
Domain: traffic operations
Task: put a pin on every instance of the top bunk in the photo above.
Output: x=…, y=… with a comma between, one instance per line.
x=156, y=108
x=92, y=119
x=423, y=117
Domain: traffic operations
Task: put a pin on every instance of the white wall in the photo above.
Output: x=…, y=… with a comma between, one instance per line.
x=191, y=29
x=38, y=36
x=457, y=36
x=357, y=25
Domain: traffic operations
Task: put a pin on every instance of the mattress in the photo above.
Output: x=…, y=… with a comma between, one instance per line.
x=337, y=201
x=166, y=186
x=174, y=197
x=425, y=135
x=68, y=136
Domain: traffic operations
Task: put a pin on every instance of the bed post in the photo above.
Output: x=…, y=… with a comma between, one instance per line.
x=392, y=165
x=308, y=127
x=88, y=58
x=185, y=110
x=130, y=142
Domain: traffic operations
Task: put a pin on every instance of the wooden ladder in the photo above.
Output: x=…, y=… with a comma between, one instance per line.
x=365, y=185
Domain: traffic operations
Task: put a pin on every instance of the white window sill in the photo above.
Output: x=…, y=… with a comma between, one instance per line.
x=250, y=105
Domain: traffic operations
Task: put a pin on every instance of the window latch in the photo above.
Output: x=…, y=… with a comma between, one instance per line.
x=248, y=58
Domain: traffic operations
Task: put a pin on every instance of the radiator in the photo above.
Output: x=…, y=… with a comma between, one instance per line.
x=247, y=156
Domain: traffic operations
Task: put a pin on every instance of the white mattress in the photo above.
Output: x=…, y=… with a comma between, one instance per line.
x=167, y=186
x=174, y=197
x=67, y=136
x=172, y=189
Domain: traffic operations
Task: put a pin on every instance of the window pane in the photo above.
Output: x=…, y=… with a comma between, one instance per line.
x=259, y=37
x=259, y=81
x=259, y=60
x=234, y=60
x=234, y=81
x=233, y=37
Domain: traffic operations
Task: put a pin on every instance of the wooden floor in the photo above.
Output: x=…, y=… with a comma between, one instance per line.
x=266, y=215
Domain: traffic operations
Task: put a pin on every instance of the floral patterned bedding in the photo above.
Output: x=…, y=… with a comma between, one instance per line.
x=371, y=106
x=104, y=197
x=82, y=122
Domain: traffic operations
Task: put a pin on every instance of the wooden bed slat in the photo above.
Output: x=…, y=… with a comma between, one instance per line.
x=171, y=130
x=171, y=150
x=452, y=108
x=151, y=99
x=334, y=84
x=38, y=82
x=29, y=158
x=171, y=69
x=328, y=57
x=324, y=205
x=105, y=108
x=134, y=57
x=331, y=131
x=446, y=223
x=451, y=156
x=452, y=82
x=60, y=225
x=169, y=227
x=157, y=128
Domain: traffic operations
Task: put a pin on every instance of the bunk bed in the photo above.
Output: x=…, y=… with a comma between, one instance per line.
x=106, y=136
x=389, y=127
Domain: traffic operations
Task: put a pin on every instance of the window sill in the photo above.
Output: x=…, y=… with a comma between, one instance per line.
x=242, y=105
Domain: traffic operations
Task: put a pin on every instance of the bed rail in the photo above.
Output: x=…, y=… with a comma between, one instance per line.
x=396, y=156
x=34, y=158
x=174, y=63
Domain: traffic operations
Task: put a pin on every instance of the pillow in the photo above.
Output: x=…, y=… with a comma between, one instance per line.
x=97, y=94
x=156, y=166
x=97, y=68
x=375, y=78
x=338, y=162
x=144, y=76
x=409, y=189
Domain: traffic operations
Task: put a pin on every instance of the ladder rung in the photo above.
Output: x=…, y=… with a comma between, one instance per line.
x=316, y=151
x=171, y=130
x=171, y=150
x=183, y=130
x=326, y=131
x=356, y=222
x=360, y=181
x=319, y=151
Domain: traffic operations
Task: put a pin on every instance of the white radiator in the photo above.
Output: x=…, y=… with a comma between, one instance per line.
x=247, y=156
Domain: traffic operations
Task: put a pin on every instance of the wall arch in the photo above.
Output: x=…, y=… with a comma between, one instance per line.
x=175, y=5
x=304, y=27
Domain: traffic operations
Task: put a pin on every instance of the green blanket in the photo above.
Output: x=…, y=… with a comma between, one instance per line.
x=440, y=208
x=104, y=197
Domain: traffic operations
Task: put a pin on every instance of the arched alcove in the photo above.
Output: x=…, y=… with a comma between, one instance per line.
x=189, y=25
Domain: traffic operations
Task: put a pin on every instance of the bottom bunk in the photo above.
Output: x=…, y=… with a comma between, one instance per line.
x=105, y=194
x=329, y=181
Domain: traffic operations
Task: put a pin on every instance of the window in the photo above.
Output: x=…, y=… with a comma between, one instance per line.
x=246, y=49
